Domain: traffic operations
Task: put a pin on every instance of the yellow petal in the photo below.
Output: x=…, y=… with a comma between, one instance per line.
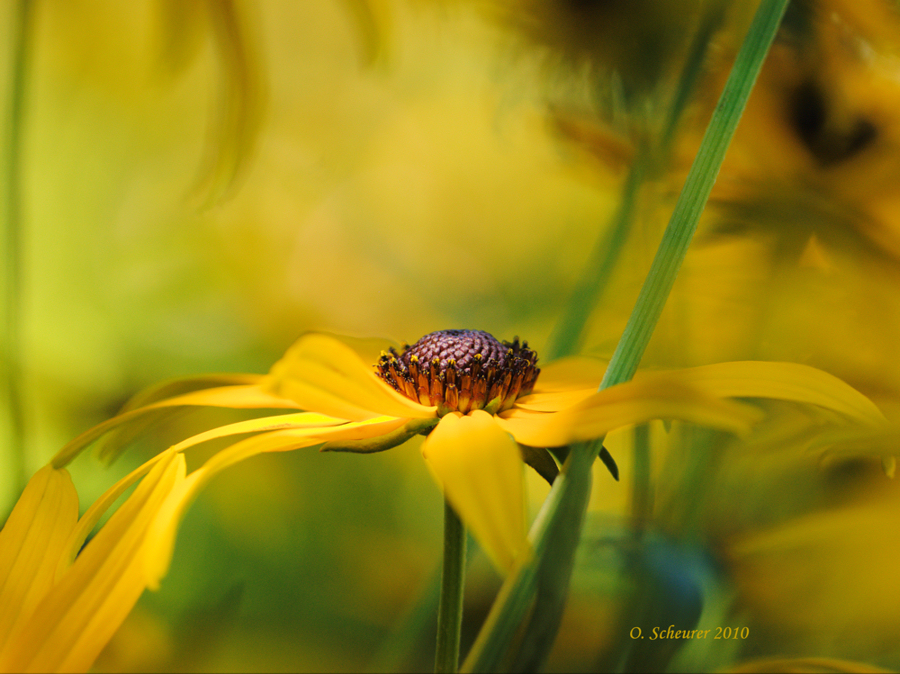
x=31, y=543
x=165, y=527
x=882, y=441
x=238, y=397
x=571, y=373
x=324, y=375
x=656, y=397
x=176, y=387
x=480, y=470
x=782, y=381
x=554, y=401
x=305, y=420
x=76, y=619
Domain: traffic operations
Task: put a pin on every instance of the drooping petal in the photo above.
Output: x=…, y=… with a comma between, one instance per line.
x=658, y=397
x=91, y=598
x=31, y=543
x=304, y=420
x=165, y=527
x=247, y=396
x=307, y=429
x=324, y=375
x=781, y=381
x=172, y=388
x=238, y=397
x=480, y=470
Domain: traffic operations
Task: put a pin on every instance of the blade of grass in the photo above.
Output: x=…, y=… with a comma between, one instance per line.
x=694, y=195
x=563, y=511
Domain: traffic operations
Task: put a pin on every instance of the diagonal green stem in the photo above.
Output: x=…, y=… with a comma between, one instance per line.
x=563, y=511
x=446, y=657
x=694, y=195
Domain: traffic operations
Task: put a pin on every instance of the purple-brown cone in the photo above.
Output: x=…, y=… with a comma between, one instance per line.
x=461, y=370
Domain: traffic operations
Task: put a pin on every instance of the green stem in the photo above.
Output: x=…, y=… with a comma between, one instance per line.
x=694, y=195
x=446, y=658
x=641, y=487
x=11, y=349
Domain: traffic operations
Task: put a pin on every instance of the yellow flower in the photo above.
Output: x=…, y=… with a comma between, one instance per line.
x=476, y=435
x=61, y=600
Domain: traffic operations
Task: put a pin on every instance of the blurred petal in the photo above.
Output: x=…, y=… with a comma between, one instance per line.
x=782, y=381
x=31, y=543
x=805, y=666
x=76, y=619
x=656, y=397
x=324, y=375
x=165, y=527
x=480, y=470
x=278, y=434
x=882, y=441
x=241, y=96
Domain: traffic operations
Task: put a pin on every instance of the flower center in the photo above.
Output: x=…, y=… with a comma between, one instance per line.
x=461, y=370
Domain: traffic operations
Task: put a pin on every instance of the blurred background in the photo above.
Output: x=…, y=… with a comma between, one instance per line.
x=201, y=182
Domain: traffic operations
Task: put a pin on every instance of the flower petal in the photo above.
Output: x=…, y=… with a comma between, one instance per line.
x=165, y=527
x=31, y=543
x=782, y=381
x=176, y=387
x=554, y=401
x=570, y=374
x=324, y=375
x=305, y=420
x=882, y=441
x=481, y=472
x=656, y=397
x=76, y=619
x=238, y=397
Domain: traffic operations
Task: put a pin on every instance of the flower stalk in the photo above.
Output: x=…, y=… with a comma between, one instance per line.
x=449, y=624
